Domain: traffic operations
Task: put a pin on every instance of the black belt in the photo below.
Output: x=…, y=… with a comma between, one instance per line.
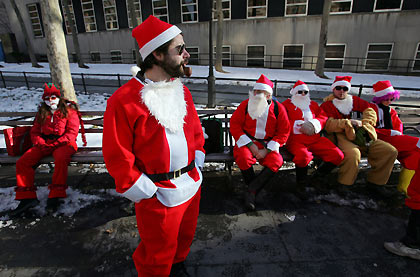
x=262, y=141
x=171, y=175
x=51, y=136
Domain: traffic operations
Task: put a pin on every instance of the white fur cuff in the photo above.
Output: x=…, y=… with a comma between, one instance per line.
x=199, y=158
x=273, y=146
x=243, y=140
x=317, y=125
x=143, y=188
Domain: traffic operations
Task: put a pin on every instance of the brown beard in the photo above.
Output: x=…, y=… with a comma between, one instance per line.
x=174, y=70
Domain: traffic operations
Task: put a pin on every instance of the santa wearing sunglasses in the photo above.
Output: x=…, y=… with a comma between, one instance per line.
x=307, y=120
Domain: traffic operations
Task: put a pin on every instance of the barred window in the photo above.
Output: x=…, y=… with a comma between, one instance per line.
x=95, y=56
x=160, y=9
x=255, y=55
x=194, y=54
x=416, y=64
x=137, y=11
x=116, y=56
x=378, y=56
x=67, y=23
x=35, y=20
x=89, y=15
x=226, y=54
x=387, y=5
x=341, y=6
x=110, y=12
x=225, y=9
x=296, y=7
x=292, y=56
x=334, y=56
x=189, y=11
x=257, y=8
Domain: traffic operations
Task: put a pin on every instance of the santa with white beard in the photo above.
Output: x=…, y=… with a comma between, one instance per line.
x=307, y=120
x=260, y=127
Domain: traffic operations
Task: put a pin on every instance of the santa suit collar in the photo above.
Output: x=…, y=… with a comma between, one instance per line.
x=166, y=102
x=344, y=106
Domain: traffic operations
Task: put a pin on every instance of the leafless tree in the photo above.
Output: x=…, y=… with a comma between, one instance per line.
x=219, y=37
x=134, y=23
x=323, y=37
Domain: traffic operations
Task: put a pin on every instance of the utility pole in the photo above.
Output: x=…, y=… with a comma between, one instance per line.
x=211, y=100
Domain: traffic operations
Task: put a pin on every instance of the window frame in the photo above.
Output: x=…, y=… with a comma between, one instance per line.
x=387, y=10
x=229, y=9
x=301, y=59
x=389, y=59
x=417, y=51
x=159, y=16
x=230, y=54
x=84, y=17
x=254, y=7
x=135, y=10
x=37, y=17
x=329, y=59
x=95, y=52
x=116, y=15
x=291, y=15
x=66, y=22
x=120, y=55
x=198, y=53
x=341, y=1
x=185, y=13
x=255, y=45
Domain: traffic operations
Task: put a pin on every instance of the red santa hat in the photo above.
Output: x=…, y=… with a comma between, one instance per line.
x=263, y=83
x=50, y=89
x=342, y=81
x=384, y=90
x=153, y=33
x=299, y=85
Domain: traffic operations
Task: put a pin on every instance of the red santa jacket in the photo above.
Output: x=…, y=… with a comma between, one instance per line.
x=66, y=129
x=359, y=105
x=297, y=117
x=396, y=121
x=267, y=126
x=135, y=144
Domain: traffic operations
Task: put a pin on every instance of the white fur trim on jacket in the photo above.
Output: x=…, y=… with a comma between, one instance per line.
x=395, y=133
x=243, y=140
x=161, y=39
x=265, y=87
x=344, y=106
x=199, y=158
x=273, y=146
x=166, y=102
x=317, y=125
x=143, y=188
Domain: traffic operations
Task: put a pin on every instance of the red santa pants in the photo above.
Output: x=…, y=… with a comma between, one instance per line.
x=166, y=234
x=244, y=158
x=25, y=171
x=409, y=156
x=304, y=148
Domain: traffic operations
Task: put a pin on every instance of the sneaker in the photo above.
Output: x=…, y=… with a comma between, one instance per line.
x=24, y=205
x=401, y=249
x=53, y=204
x=179, y=270
x=249, y=199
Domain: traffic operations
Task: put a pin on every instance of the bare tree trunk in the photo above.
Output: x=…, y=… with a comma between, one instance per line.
x=219, y=37
x=56, y=48
x=74, y=34
x=25, y=35
x=134, y=23
x=323, y=37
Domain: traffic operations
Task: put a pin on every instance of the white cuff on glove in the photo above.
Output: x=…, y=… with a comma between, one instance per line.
x=395, y=133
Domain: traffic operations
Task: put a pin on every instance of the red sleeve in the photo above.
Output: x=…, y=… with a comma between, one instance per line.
x=72, y=128
x=396, y=121
x=237, y=121
x=320, y=115
x=36, y=134
x=360, y=105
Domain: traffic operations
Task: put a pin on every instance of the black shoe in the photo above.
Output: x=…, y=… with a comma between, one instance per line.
x=179, y=270
x=53, y=204
x=343, y=190
x=24, y=205
x=378, y=192
x=249, y=200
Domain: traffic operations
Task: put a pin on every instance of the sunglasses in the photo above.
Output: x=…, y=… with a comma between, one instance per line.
x=341, y=88
x=304, y=92
x=181, y=49
x=390, y=99
x=50, y=97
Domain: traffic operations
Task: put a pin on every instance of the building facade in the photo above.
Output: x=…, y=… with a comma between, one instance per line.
x=363, y=35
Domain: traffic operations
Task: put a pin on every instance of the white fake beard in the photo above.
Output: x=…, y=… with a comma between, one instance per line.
x=344, y=106
x=165, y=101
x=301, y=101
x=257, y=104
x=53, y=104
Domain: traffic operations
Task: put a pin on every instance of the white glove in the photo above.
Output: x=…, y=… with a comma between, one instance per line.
x=356, y=123
x=395, y=133
x=307, y=128
x=204, y=133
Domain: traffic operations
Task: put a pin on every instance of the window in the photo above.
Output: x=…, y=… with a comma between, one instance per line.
x=193, y=50
x=110, y=12
x=416, y=64
x=89, y=15
x=225, y=9
x=74, y=57
x=387, y=5
x=35, y=20
x=160, y=9
x=341, y=6
x=68, y=29
x=134, y=56
x=137, y=11
x=116, y=56
x=378, y=56
x=226, y=51
x=292, y=56
x=296, y=7
x=189, y=11
x=257, y=8
x=255, y=55
x=95, y=57
x=334, y=56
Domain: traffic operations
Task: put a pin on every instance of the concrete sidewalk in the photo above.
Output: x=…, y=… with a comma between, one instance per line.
x=323, y=236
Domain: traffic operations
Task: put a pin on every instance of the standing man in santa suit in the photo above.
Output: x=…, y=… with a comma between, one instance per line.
x=260, y=127
x=355, y=137
x=153, y=148
x=307, y=120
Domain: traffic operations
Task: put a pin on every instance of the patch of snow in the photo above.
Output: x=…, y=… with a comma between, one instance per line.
x=360, y=203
